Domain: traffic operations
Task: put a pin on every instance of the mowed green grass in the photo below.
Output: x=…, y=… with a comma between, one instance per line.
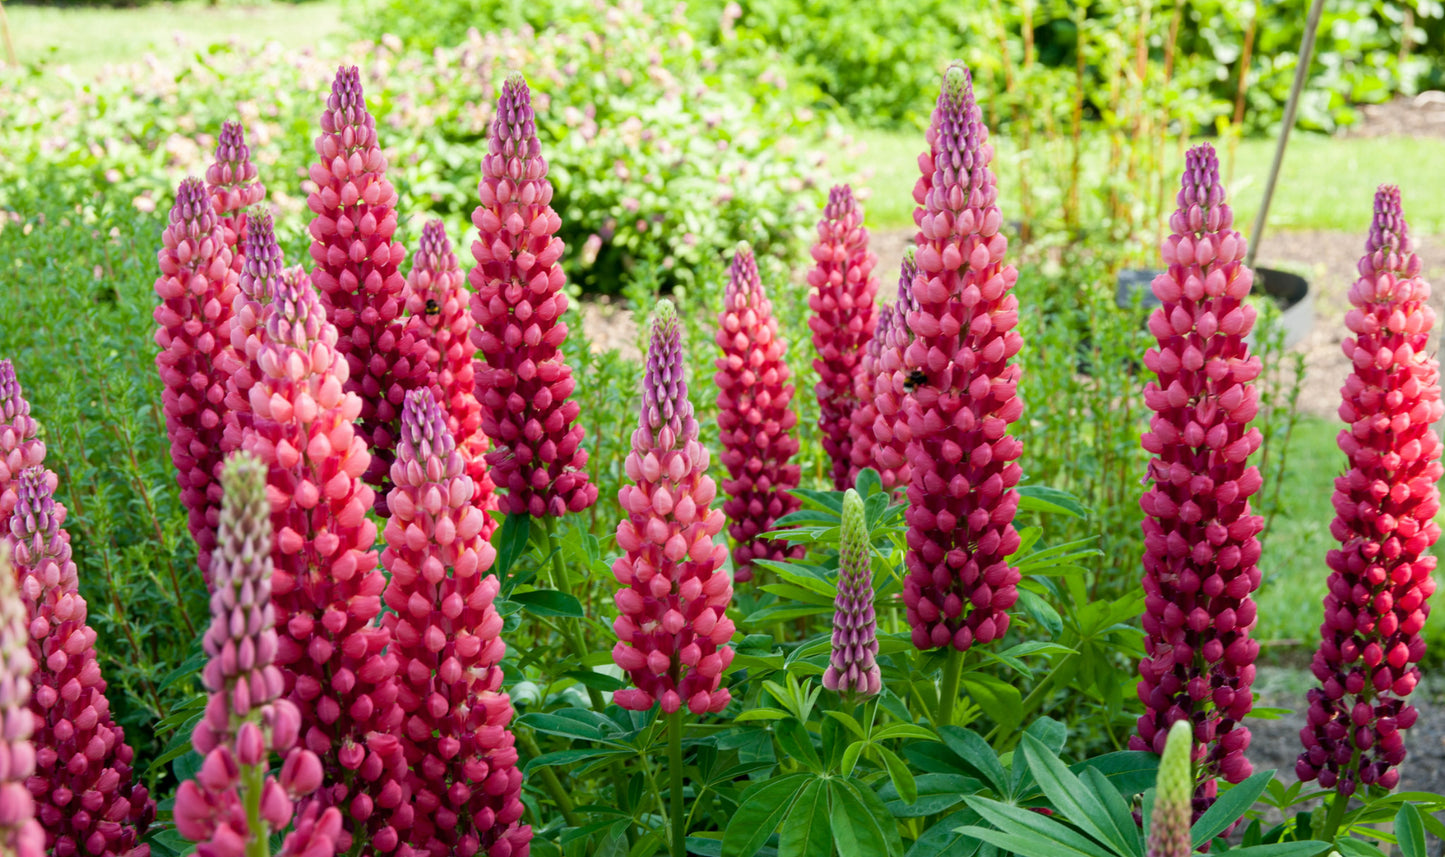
x=89, y=38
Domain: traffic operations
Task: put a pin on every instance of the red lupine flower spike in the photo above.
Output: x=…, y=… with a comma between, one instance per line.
x=20, y=833
x=234, y=187
x=1200, y=545
x=82, y=786
x=20, y=443
x=357, y=270
x=843, y=319
x=964, y=390
x=892, y=385
x=863, y=452
x=261, y=266
x=437, y=301
x=197, y=288
x=672, y=629
x=524, y=385
x=465, y=784
x=1381, y=576
x=327, y=588
x=246, y=720
x=756, y=420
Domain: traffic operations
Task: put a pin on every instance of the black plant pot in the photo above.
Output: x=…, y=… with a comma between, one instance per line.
x=1291, y=292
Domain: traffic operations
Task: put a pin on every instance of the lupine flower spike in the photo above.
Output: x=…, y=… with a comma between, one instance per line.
x=437, y=301
x=260, y=272
x=756, y=420
x=84, y=794
x=246, y=720
x=327, y=587
x=962, y=389
x=357, y=269
x=892, y=386
x=1172, y=820
x=853, y=670
x=1200, y=545
x=864, y=444
x=843, y=320
x=234, y=187
x=197, y=288
x=672, y=629
x=1385, y=521
x=524, y=385
x=465, y=783
x=20, y=833
x=20, y=444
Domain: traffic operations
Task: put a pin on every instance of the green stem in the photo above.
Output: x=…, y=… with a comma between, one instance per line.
x=254, y=778
x=1030, y=703
x=549, y=779
x=674, y=763
x=1339, y=805
x=948, y=690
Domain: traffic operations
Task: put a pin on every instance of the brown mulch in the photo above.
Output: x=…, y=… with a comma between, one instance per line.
x=1420, y=116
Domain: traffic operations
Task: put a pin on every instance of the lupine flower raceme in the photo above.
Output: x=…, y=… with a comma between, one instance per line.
x=327, y=588
x=197, y=289
x=465, y=782
x=261, y=264
x=85, y=797
x=20, y=833
x=674, y=637
x=1200, y=545
x=437, y=301
x=1172, y=820
x=853, y=669
x=864, y=444
x=891, y=385
x=962, y=389
x=232, y=182
x=843, y=320
x=523, y=383
x=246, y=718
x=20, y=443
x=756, y=420
x=357, y=269
x=1385, y=508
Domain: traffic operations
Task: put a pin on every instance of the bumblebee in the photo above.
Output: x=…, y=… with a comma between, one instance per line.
x=916, y=379
x=432, y=308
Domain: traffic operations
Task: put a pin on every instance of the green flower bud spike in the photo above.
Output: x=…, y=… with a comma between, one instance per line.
x=1169, y=825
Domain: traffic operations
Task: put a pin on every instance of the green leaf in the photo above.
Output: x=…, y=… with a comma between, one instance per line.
x=1068, y=795
x=1410, y=831
x=1118, y=808
x=757, y=816
x=1026, y=836
x=935, y=793
x=904, y=730
x=944, y=840
x=761, y=714
x=1281, y=849
x=898, y=774
x=1000, y=699
x=855, y=832
x=867, y=482
x=511, y=541
x=595, y=680
x=1041, y=498
x=1229, y=807
x=805, y=831
x=796, y=743
x=847, y=719
x=548, y=602
x=977, y=755
x=568, y=757
x=1041, y=612
x=575, y=723
x=1132, y=772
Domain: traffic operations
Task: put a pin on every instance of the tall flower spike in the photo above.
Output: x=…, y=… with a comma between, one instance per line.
x=261, y=265
x=327, y=588
x=1381, y=576
x=20, y=443
x=20, y=833
x=756, y=421
x=246, y=720
x=466, y=787
x=674, y=637
x=864, y=450
x=843, y=321
x=853, y=670
x=197, y=288
x=964, y=391
x=1171, y=821
x=892, y=386
x=357, y=270
x=437, y=301
x=234, y=187
x=1200, y=545
x=524, y=385
x=84, y=794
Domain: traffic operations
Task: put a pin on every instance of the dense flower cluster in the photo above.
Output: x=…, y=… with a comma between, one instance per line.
x=84, y=794
x=963, y=389
x=891, y=385
x=1200, y=539
x=246, y=719
x=327, y=587
x=20, y=833
x=20, y=443
x=465, y=783
x=234, y=187
x=437, y=303
x=843, y=320
x=1172, y=819
x=261, y=263
x=672, y=629
x=1386, y=505
x=197, y=289
x=357, y=269
x=756, y=420
x=525, y=386
x=853, y=669
x=864, y=447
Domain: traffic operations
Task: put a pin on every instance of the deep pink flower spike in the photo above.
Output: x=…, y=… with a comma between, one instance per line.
x=20, y=443
x=892, y=386
x=962, y=391
x=20, y=833
x=232, y=182
x=1200, y=545
x=261, y=266
x=1385, y=504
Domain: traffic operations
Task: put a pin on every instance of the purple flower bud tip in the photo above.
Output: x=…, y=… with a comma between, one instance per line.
x=853, y=670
